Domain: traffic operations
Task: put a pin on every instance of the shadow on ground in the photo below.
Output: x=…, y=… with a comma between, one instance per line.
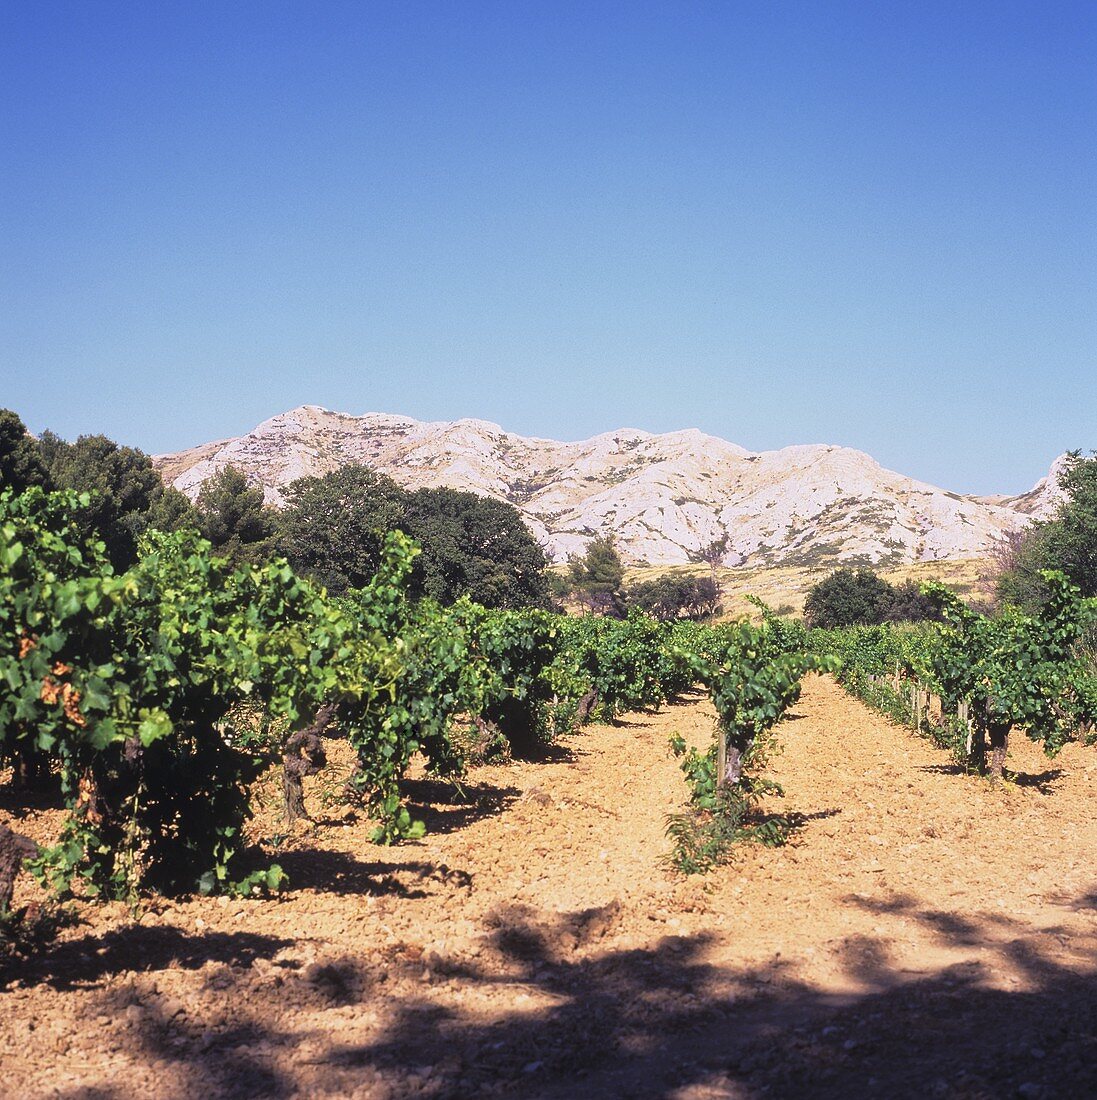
x=18, y=802
x=446, y=806
x=138, y=949
x=565, y=1019
x=1042, y=782
x=341, y=873
x=941, y=769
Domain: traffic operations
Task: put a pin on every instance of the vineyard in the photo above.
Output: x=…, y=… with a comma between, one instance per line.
x=969, y=683
x=156, y=696
x=190, y=744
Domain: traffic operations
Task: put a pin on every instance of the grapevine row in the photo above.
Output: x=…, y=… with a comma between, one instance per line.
x=154, y=697
x=984, y=676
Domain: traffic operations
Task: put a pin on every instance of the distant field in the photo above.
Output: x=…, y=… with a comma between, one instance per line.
x=786, y=588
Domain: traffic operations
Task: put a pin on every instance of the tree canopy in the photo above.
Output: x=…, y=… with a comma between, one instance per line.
x=232, y=515
x=333, y=527
x=21, y=464
x=128, y=496
x=477, y=547
x=859, y=597
x=1067, y=542
x=676, y=596
x=597, y=577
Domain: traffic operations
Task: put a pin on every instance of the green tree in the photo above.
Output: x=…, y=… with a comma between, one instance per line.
x=597, y=577
x=907, y=603
x=126, y=492
x=21, y=464
x=848, y=597
x=232, y=516
x=333, y=527
x=1067, y=542
x=172, y=511
x=477, y=547
x=676, y=596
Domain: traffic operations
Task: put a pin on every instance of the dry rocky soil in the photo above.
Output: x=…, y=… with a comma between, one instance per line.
x=924, y=934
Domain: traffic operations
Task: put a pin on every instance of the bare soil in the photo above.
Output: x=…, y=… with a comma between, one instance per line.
x=925, y=934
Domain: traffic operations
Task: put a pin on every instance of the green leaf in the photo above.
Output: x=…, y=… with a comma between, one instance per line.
x=103, y=734
x=155, y=725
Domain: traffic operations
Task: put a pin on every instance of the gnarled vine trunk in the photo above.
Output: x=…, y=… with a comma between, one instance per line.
x=977, y=746
x=999, y=743
x=487, y=735
x=14, y=848
x=303, y=754
x=729, y=761
x=586, y=704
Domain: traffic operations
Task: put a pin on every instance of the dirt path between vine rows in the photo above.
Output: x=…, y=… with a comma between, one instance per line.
x=925, y=934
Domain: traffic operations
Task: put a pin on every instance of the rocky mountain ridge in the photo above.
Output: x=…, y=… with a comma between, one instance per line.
x=665, y=497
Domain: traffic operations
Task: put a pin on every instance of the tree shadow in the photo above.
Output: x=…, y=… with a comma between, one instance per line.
x=799, y=820
x=138, y=948
x=339, y=873
x=225, y=1061
x=1084, y=901
x=941, y=769
x=551, y=1009
x=551, y=752
x=1042, y=782
x=652, y=1022
x=84, y=1093
x=445, y=807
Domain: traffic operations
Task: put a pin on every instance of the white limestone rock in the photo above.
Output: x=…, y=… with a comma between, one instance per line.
x=664, y=497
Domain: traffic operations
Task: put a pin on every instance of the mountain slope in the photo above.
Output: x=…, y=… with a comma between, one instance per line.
x=665, y=497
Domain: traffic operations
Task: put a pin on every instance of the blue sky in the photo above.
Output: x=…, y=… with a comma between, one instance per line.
x=865, y=224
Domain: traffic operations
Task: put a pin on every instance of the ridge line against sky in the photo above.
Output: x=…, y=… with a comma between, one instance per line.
x=621, y=428
x=875, y=227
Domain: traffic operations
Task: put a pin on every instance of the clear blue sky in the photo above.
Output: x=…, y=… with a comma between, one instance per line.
x=865, y=224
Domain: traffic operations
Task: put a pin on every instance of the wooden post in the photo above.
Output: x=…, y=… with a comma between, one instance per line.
x=963, y=712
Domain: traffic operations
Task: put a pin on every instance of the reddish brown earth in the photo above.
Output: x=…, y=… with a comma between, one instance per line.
x=925, y=934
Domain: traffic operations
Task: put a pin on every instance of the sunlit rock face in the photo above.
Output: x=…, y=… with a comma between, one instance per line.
x=664, y=497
